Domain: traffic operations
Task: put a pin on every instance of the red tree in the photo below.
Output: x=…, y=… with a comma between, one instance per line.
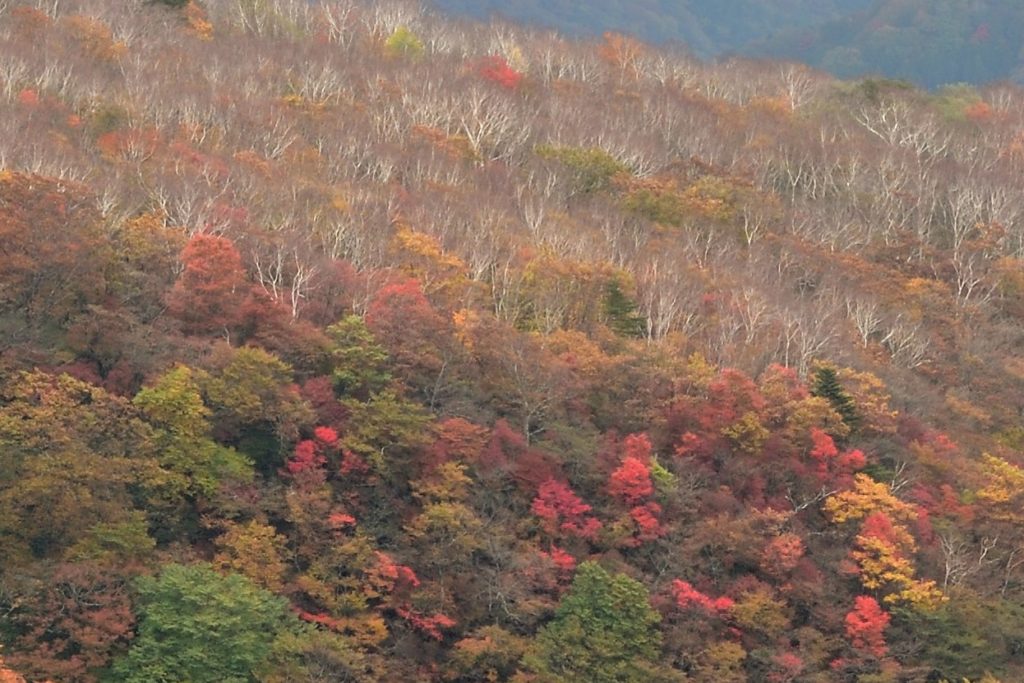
x=496, y=69
x=865, y=626
x=563, y=511
x=210, y=292
x=631, y=482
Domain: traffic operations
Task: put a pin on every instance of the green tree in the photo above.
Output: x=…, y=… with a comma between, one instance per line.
x=825, y=384
x=197, y=625
x=175, y=407
x=404, y=42
x=604, y=632
x=360, y=363
x=620, y=311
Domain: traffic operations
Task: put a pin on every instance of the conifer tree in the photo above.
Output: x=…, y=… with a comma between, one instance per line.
x=620, y=312
x=825, y=384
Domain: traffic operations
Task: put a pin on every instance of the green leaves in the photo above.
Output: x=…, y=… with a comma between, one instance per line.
x=360, y=363
x=404, y=42
x=604, y=631
x=199, y=626
x=175, y=405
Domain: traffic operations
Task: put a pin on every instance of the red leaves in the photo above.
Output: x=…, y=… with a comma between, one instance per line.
x=824, y=447
x=340, y=520
x=326, y=436
x=631, y=482
x=390, y=577
x=831, y=464
x=688, y=597
x=865, y=626
x=563, y=561
x=428, y=625
x=496, y=69
x=563, y=511
x=305, y=457
x=647, y=520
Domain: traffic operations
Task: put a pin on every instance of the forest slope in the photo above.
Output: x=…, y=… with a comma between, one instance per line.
x=339, y=341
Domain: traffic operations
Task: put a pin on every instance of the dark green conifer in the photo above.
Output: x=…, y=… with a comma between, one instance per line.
x=825, y=384
x=620, y=312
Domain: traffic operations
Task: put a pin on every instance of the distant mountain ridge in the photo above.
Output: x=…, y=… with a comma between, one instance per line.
x=930, y=42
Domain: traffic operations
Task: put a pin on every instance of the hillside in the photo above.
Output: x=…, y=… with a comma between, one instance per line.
x=344, y=342
x=706, y=27
x=928, y=42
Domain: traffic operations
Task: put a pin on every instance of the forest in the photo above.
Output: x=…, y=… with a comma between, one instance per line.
x=342, y=341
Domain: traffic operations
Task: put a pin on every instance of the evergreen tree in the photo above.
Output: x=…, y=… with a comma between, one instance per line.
x=620, y=312
x=825, y=384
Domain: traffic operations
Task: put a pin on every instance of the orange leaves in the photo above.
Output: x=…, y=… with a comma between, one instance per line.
x=9, y=676
x=197, y=21
x=782, y=554
x=28, y=97
x=622, y=52
x=212, y=287
x=94, y=38
x=133, y=144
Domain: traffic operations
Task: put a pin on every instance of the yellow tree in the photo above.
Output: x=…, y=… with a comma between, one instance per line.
x=883, y=547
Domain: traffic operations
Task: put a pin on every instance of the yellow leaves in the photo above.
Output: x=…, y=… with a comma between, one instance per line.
x=923, y=595
x=146, y=239
x=966, y=409
x=883, y=547
x=721, y=662
x=422, y=257
x=698, y=374
x=254, y=162
x=448, y=482
x=747, y=433
x=465, y=321
x=339, y=203
x=254, y=550
x=866, y=497
x=1003, y=489
x=404, y=43
x=881, y=564
x=757, y=610
x=871, y=397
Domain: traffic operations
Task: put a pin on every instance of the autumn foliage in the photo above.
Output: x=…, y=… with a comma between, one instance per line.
x=334, y=339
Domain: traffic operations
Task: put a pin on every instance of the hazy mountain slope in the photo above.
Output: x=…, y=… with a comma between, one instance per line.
x=707, y=27
x=928, y=42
